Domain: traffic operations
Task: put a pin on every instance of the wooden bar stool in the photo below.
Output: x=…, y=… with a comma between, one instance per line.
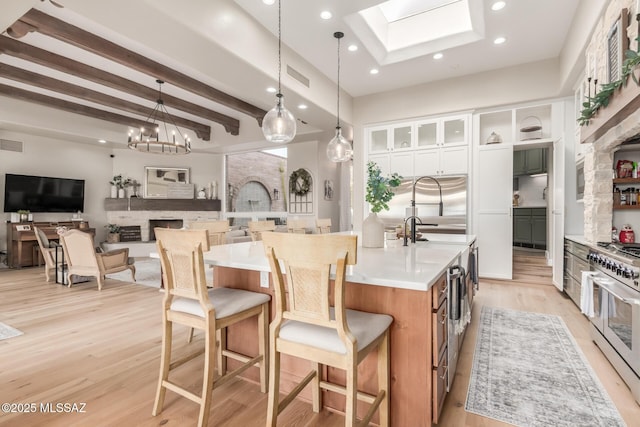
x=187, y=301
x=257, y=227
x=308, y=327
x=323, y=225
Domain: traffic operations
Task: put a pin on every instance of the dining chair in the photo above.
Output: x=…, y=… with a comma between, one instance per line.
x=187, y=301
x=308, y=327
x=257, y=227
x=48, y=251
x=217, y=230
x=296, y=226
x=323, y=225
x=83, y=260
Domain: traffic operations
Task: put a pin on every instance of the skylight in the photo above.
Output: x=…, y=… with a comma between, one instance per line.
x=398, y=30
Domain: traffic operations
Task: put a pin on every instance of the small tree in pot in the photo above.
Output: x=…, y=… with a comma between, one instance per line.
x=378, y=193
x=113, y=235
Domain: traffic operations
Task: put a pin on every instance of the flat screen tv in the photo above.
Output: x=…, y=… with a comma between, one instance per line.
x=43, y=194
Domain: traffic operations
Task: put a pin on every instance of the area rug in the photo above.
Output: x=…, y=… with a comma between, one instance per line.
x=528, y=371
x=7, y=331
x=148, y=273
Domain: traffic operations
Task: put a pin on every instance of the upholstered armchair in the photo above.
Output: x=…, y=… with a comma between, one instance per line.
x=83, y=260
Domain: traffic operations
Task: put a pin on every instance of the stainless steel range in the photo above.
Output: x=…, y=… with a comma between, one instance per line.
x=616, y=299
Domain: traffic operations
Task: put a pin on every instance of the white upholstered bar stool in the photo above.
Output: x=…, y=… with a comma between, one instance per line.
x=187, y=301
x=307, y=327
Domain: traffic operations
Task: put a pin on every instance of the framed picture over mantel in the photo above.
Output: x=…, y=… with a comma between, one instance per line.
x=167, y=183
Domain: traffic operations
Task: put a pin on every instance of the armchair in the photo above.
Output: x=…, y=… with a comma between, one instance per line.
x=82, y=259
x=48, y=250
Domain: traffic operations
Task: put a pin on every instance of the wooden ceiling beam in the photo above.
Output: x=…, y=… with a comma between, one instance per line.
x=18, y=74
x=72, y=107
x=48, y=59
x=56, y=28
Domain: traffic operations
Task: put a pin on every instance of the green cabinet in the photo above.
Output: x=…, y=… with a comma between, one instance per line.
x=529, y=162
x=530, y=227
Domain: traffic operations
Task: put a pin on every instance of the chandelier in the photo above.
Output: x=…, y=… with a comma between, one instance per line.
x=156, y=136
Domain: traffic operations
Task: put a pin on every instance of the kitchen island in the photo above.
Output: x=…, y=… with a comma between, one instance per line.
x=408, y=283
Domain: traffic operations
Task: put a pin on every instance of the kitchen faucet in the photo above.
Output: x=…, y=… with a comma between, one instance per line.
x=404, y=232
x=413, y=206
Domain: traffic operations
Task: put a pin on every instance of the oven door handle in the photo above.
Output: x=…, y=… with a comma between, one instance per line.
x=609, y=288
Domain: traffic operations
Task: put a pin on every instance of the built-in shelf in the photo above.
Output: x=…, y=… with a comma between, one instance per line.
x=140, y=204
x=626, y=180
x=623, y=207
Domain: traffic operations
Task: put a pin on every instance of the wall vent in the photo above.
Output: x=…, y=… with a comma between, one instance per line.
x=298, y=76
x=9, y=145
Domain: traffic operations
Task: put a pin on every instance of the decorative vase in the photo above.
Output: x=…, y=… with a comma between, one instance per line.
x=372, y=232
x=114, y=191
x=121, y=194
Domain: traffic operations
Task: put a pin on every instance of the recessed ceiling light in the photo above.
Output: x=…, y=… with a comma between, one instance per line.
x=499, y=40
x=438, y=55
x=272, y=90
x=498, y=5
x=302, y=107
x=268, y=2
x=374, y=71
x=325, y=14
x=102, y=141
x=352, y=48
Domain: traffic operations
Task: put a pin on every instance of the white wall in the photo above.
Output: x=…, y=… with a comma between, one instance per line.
x=530, y=190
x=48, y=157
x=93, y=163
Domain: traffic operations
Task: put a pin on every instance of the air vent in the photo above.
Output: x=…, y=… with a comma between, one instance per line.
x=8, y=145
x=298, y=76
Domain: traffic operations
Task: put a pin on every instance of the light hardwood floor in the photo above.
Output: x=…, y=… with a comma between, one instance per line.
x=103, y=349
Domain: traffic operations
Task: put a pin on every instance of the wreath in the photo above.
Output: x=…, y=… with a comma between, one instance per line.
x=300, y=182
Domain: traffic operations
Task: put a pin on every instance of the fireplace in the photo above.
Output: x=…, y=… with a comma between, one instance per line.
x=163, y=223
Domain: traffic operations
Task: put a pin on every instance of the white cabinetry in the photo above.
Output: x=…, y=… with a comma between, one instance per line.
x=442, y=146
x=391, y=148
x=438, y=146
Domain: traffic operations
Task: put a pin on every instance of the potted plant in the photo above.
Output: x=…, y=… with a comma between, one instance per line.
x=113, y=235
x=24, y=215
x=118, y=185
x=378, y=193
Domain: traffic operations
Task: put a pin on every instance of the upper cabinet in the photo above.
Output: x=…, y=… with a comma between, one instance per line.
x=432, y=146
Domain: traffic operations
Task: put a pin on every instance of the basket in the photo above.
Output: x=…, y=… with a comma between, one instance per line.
x=530, y=128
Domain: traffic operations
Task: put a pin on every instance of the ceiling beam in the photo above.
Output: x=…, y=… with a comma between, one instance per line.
x=72, y=107
x=56, y=28
x=48, y=59
x=18, y=74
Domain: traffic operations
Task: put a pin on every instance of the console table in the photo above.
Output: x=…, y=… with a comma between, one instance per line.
x=21, y=243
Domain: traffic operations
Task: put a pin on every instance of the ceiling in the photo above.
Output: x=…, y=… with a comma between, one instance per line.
x=203, y=47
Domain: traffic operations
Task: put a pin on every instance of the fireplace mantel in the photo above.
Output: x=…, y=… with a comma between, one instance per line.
x=622, y=104
x=140, y=204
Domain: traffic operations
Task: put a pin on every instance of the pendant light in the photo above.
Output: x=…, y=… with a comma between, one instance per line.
x=279, y=125
x=339, y=149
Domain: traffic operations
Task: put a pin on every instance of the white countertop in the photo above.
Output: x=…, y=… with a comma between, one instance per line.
x=416, y=266
x=578, y=239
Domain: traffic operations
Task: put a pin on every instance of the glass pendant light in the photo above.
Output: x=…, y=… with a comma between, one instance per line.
x=279, y=125
x=339, y=149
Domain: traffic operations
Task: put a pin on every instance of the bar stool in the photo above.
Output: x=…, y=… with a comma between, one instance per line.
x=257, y=227
x=323, y=225
x=187, y=301
x=308, y=327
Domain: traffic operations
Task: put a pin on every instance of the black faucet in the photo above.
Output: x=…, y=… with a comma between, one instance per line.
x=413, y=218
x=413, y=206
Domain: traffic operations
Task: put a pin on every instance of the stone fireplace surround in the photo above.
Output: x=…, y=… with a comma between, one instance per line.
x=142, y=218
x=598, y=177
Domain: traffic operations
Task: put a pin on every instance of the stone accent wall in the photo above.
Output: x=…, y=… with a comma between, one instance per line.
x=260, y=167
x=598, y=161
